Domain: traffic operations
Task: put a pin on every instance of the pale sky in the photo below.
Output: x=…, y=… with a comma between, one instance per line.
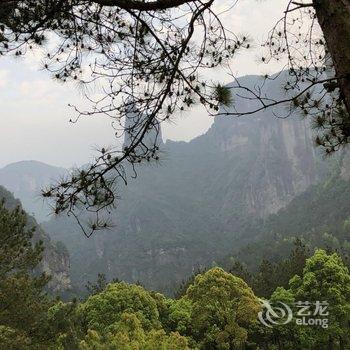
x=35, y=116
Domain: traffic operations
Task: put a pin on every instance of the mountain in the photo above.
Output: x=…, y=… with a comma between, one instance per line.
x=319, y=217
x=55, y=261
x=25, y=180
x=203, y=200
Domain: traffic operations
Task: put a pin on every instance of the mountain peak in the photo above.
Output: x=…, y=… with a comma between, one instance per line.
x=26, y=179
x=29, y=164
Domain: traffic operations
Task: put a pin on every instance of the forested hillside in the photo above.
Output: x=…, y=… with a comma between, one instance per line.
x=55, y=259
x=215, y=309
x=319, y=217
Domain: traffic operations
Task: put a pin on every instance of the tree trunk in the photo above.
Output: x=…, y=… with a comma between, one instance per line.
x=330, y=343
x=341, y=343
x=334, y=19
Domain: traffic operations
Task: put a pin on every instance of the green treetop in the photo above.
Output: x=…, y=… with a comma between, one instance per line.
x=23, y=303
x=223, y=307
x=326, y=278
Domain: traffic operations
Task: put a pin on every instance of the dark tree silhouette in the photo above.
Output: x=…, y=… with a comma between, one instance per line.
x=147, y=58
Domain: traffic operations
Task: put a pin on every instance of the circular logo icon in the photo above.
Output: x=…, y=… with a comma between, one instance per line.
x=277, y=314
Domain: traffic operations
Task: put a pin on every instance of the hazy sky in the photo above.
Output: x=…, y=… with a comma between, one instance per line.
x=35, y=116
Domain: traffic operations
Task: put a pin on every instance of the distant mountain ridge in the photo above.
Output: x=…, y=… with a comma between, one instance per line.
x=26, y=179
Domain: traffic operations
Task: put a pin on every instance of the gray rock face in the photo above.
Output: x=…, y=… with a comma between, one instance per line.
x=280, y=150
x=283, y=160
x=55, y=263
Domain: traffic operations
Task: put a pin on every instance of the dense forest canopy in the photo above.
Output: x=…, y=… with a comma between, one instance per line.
x=216, y=310
x=149, y=58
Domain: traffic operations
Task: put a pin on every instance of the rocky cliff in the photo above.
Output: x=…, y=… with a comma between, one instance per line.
x=200, y=201
x=281, y=156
